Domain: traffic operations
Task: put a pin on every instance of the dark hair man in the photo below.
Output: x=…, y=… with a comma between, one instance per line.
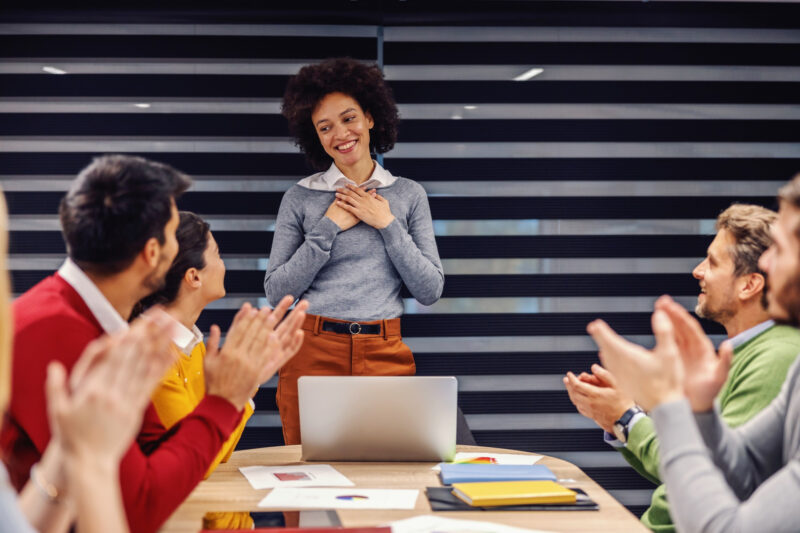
x=732, y=293
x=119, y=220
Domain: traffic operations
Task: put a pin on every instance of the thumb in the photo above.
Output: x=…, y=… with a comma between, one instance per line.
x=56, y=389
x=604, y=375
x=212, y=346
x=725, y=357
x=664, y=333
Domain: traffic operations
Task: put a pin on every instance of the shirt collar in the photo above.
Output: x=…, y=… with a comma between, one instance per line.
x=748, y=334
x=186, y=339
x=98, y=304
x=333, y=178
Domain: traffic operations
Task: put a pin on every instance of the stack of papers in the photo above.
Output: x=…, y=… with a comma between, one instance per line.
x=468, y=473
x=288, y=498
x=496, y=458
x=292, y=489
x=270, y=477
x=492, y=459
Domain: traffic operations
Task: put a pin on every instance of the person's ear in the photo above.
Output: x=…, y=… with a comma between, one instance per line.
x=370, y=122
x=192, y=278
x=752, y=286
x=151, y=253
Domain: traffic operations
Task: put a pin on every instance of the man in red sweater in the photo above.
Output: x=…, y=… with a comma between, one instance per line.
x=119, y=220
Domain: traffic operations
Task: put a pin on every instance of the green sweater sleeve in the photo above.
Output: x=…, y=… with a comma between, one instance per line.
x=641, y=451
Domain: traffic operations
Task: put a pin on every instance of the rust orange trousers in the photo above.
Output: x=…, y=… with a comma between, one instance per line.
x=326, y=353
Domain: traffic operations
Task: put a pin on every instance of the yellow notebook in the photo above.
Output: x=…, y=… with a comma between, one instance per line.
x=496, y=493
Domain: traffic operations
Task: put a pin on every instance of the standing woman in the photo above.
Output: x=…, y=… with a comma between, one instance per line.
x=349, y=238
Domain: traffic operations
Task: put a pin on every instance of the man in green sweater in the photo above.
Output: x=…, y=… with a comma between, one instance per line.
x=732, y=292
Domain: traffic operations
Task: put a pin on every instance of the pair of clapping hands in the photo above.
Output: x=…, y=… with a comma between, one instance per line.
x=353, y=205
x=96, y=411
x=683, y=364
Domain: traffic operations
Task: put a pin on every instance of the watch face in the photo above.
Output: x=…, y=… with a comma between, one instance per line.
x=619, y=433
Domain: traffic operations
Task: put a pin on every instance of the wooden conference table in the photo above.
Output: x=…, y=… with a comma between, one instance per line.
x=228, y=490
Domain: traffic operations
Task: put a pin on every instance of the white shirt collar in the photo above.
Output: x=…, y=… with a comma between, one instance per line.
x=748, y=334
x=101, y=308
x=186, y=339
x=333, y=178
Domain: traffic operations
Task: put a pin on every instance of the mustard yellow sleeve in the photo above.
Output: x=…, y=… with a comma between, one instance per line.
x=182, y=389
x=171, y=399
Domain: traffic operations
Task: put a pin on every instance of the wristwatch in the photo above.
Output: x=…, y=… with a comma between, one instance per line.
x=621, y=425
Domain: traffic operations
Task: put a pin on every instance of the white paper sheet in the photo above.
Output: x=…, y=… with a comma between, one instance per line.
x=499, y=458
x=308, y=498
x=438, y=524
x=268, y=477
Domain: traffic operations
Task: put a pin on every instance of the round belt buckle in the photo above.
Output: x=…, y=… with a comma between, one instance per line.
x=357, y=328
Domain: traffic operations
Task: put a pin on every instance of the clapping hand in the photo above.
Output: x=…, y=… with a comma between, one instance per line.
x=96, y=413
x=705, y=371
x=649, y=377
x=597, y=396
x=255, y=348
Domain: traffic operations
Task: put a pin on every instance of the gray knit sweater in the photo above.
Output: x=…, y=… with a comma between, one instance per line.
x=355, y=274
x=755, y=485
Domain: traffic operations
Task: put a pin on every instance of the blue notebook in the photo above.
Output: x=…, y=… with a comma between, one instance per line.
x=470, y=473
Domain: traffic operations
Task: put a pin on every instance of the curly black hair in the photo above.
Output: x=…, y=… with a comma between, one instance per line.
x=362, y=82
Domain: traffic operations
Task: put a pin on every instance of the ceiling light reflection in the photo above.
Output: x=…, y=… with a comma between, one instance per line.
x=53, y=70
x=528, y=74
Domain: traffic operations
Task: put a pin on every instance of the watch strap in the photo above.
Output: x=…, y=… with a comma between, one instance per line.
x=624, y=421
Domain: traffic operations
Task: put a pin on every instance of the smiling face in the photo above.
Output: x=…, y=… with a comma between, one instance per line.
x=781, y=262
x=717, y=298
x=343, y=130
x=212, y=276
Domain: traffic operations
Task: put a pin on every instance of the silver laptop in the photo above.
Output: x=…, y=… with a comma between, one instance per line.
x=378, y=418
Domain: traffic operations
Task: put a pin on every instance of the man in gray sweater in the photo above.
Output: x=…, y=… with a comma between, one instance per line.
x=719, y=479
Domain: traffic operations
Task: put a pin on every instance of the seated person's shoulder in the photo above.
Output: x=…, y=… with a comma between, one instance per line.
x=46, y=310
x=785, y=338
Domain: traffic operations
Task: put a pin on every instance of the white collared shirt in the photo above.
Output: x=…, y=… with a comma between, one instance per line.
x=98, y=304
x=186, y=339
x=333, y=178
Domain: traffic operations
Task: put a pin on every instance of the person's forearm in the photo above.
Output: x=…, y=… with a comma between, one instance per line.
x=643, y=445
x=423, y=277
x=154, y=485
x=699, y=497
x=95, y=491
x=292, y=270
x=43, y=500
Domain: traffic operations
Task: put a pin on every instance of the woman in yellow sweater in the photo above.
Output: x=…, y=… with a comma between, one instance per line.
x=195, y=279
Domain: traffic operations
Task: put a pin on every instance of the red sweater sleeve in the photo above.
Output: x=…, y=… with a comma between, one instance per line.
x=154, y=485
